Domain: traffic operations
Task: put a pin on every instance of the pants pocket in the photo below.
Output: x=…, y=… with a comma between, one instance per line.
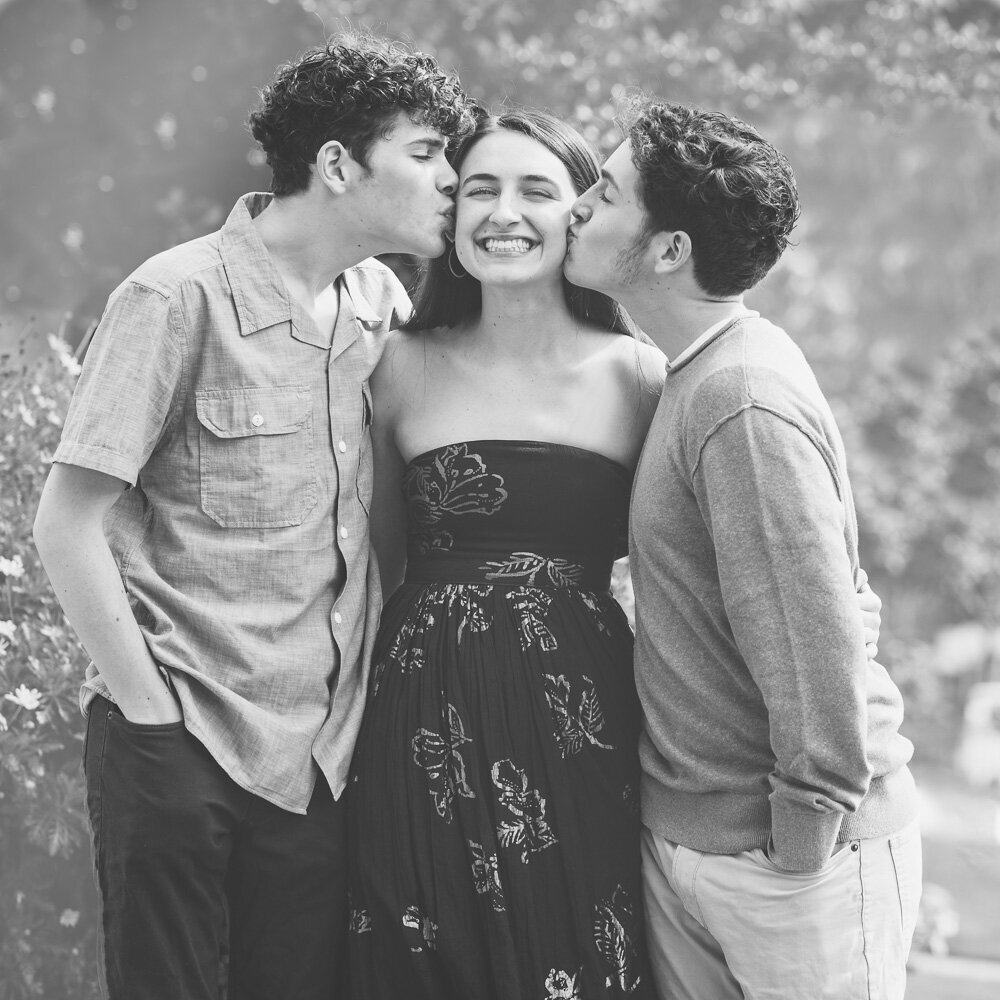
x=841, y=852
x=94, y=746
x=907, y=862
x=144, y=727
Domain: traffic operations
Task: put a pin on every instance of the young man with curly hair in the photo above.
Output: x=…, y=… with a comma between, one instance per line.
x=205, y=526
x=780, y=853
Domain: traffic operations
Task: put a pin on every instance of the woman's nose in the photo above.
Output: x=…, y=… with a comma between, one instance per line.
x=505, y=212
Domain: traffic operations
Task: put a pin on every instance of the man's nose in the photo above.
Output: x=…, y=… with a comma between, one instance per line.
x=580, y=211
x=448, y=181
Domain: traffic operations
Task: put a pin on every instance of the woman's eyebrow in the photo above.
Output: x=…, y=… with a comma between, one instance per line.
x=524, y=178
x=478, y=177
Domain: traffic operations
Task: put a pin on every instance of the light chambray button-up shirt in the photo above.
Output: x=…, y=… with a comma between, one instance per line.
x=243, y=545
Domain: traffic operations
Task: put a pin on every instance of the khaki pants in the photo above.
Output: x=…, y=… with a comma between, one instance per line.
x=724, y=926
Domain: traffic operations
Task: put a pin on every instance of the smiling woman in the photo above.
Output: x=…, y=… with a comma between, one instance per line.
x=495, y=779
x=512, y=210
x=447, y=294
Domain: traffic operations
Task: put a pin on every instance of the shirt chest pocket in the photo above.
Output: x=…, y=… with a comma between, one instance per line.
x=256, y=455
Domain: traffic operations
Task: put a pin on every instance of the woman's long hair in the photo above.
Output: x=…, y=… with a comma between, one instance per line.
x=442, y=299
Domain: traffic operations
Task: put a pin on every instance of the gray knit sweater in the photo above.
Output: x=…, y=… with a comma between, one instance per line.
x=763, y=716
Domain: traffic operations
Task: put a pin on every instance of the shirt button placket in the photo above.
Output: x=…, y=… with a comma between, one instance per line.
x=340, y=447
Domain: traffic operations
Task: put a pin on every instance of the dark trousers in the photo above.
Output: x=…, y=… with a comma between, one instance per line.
x=209, y=892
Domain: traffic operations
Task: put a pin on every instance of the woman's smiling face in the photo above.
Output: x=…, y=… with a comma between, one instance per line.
x=512, y=211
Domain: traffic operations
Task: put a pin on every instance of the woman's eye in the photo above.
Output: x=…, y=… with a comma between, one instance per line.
x=537, y=193
x=479, y=191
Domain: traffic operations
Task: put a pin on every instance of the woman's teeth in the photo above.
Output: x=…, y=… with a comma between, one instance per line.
x=495, y=244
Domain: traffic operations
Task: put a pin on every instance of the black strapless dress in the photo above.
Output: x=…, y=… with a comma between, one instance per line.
x=493, y=799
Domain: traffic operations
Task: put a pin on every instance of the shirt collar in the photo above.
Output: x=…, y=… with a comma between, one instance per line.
x=710, y=335
x=364, y=311
x=259, y=293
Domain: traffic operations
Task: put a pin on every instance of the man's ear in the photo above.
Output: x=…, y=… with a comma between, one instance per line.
x=333, y=166
x=671, y=251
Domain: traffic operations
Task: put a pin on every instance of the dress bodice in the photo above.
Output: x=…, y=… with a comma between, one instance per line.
x=516, y=513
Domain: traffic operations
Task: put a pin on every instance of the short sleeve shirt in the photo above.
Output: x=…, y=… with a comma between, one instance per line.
x=243, y=431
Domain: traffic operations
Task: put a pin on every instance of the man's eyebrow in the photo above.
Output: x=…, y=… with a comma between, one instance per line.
x=430, y=141
x=610, y=179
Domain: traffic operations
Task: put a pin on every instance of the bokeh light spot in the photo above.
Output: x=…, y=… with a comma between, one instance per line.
x=72, y=237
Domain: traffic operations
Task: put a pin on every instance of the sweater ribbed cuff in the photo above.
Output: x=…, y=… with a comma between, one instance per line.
x=802, y=840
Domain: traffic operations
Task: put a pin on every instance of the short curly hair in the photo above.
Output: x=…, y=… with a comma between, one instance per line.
x=717, y=179
x=351, y=90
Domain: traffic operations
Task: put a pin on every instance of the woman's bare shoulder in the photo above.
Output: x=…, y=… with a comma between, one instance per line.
x=637, y=358
x=409, y=359
x=403, y=349
x=652, y=363
x=394, y=370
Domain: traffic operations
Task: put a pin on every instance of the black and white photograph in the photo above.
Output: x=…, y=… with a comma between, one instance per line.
x=499, y=500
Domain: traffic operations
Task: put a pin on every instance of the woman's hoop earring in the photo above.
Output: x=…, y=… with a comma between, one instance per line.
x=455, y=274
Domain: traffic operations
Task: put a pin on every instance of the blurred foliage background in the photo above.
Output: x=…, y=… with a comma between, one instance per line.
x=121, y=133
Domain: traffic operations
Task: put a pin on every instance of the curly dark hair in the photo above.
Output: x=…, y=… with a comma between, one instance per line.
x=351, y=90
x=444, y=298
x=717, y=179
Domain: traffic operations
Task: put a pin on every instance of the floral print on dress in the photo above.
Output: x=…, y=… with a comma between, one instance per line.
x=534, y=570
x=406, y=652
x=486, y=737
x=452, y=481
x=531, y=605
x=578, y=719
x=529, y=828
x=423, y=930
x=561, y=985
x=486, y=876
x=360, y=921
x=616, y=930
x=440, y=757
x=593, y=605
x=464, y=600
x=630, y=799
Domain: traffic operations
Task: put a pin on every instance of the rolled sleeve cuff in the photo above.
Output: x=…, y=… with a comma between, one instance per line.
x=802, y=840
x=98, y=460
